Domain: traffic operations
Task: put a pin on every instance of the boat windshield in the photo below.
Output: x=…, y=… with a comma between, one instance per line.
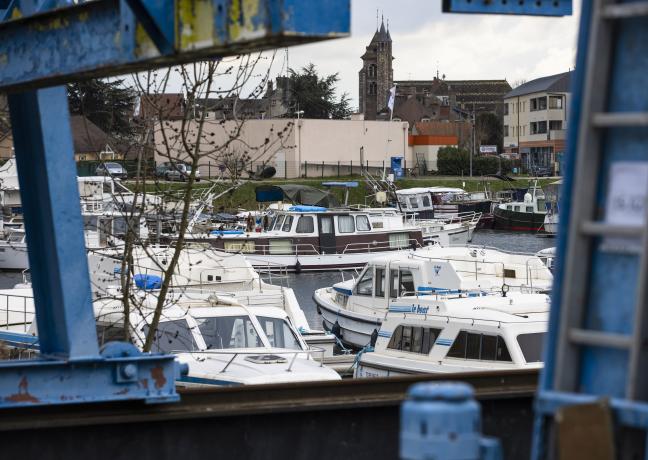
x=222, y=332
x=279, y=333
x=532, y=346
x=16, y=237
x=172, y=336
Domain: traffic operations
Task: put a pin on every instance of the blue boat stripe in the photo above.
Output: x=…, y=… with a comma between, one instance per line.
x=204, y=381
x=342, y=290
x=384, y=334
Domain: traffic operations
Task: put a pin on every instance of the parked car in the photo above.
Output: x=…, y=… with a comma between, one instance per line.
x=175, y=171
x=111, y=169
x=541, y=171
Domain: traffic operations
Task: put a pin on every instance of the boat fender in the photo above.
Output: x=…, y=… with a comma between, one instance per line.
x=298, y=267
x=374, y=337
x=336, y=330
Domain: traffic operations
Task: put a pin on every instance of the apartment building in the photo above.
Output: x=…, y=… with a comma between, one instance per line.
x=535, y=121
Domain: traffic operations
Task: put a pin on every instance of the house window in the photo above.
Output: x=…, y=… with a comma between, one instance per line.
x=506, y=130
x=555, y=125
x=506, y=112
x=539, y=127
x=555, y=102
x=425, y=119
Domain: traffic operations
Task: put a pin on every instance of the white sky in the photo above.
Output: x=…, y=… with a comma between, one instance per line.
x=459, y=46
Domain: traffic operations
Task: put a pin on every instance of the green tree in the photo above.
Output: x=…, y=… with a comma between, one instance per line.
x=315, y=95
x=108, y=104
x=489, y=130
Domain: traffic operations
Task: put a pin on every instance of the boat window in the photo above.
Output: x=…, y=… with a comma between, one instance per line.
x=16, y=237
x=541, y=204
x=486, y=347
x=529, y=209
x=393, y=284
x=516, y=208
x=279, y=222
x=326, y=224
x=305, y=225
x=406, y=283
x=509, y=207
x=172, y=336
x=239, y=246
x=222, y=332
x=365, y=285
x=280, y=246
x=426, y=201
x=398, y=240
x=532, y=346
x=346, y=224
x=279, y=333
x=362, y=223
x=287, y=226
x=413, y=339
x=413, y=202
x=380, y=282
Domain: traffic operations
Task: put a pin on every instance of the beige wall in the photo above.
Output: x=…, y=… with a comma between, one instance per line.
x=522, y=118
x=294, y=147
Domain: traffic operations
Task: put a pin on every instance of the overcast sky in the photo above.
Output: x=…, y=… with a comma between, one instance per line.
x=460, y=46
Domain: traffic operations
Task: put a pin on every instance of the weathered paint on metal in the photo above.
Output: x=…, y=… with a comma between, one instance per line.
x=99, y=38
x=522, y=7
x=50, y=200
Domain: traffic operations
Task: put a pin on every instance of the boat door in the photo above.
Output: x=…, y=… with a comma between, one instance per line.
x=326, y=234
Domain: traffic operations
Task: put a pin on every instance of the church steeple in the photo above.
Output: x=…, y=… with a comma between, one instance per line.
x=376, y=75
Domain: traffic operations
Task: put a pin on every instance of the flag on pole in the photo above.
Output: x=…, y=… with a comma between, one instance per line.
x=392, y=98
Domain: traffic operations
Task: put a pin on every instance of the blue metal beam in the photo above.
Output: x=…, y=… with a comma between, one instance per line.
x=50, y=199
x=522, y=7
x=103, y=37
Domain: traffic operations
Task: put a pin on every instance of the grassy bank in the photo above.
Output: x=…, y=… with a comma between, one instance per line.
x=244, y=197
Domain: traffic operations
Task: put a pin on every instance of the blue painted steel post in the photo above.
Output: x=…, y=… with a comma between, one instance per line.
x=50, y=199
x=443, y=421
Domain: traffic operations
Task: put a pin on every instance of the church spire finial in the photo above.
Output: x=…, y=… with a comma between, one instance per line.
x=377, y=25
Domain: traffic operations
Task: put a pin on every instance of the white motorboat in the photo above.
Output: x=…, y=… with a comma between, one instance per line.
x=231, y=345
x=456, y=335
x=13, y=250
x=354, y=309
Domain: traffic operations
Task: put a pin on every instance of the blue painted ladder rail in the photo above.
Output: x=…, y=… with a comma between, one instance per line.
x=67, y=41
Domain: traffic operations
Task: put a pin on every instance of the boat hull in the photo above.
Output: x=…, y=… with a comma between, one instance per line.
x=518, y=221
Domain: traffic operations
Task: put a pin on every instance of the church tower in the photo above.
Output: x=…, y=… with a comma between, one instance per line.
x=376, y=76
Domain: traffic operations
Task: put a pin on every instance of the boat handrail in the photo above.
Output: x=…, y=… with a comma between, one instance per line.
x=369, y=246
x=312, y=350
x=463, y=318
x=7, y=310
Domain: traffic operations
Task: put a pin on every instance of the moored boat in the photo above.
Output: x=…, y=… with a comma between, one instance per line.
x=354, y=309
x=524, y=216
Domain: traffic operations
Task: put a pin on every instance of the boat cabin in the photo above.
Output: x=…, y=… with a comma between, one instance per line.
x=314, y=230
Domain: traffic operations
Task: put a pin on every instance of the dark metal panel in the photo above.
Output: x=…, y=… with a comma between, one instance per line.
x=356, y=419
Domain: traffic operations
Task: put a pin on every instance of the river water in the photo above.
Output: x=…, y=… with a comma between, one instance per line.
x=305, y=283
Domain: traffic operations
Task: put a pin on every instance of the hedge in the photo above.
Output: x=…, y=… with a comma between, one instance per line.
x=456, y=162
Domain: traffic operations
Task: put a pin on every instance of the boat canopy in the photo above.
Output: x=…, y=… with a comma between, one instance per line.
x=298, y=194
x=306, y=208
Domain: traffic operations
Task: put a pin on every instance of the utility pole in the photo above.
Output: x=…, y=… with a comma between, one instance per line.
x=472, y=151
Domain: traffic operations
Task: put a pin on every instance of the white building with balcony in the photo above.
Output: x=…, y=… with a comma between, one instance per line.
x=535, y=121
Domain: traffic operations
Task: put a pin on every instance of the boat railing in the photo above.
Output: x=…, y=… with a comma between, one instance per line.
x=469, y=218
x=380, y=246
x=16, y=312
x=271, y=272
x=294, y=355
x=473, y=321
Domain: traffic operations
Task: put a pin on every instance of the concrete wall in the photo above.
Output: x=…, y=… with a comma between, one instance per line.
x=293, y=147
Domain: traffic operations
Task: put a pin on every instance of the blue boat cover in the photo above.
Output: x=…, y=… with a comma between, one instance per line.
x=351, y=184
x=305, y=208
x=147, y=282
x=226, y=232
